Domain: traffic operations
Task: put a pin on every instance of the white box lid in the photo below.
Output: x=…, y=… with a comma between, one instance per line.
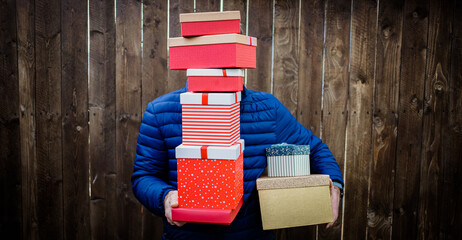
x=210, y=98
x=210, y=152
x=213, y=72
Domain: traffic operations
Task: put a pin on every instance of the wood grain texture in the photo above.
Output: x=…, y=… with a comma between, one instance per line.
x=10, y=145
x=310, y=65
x=241, y=6
x=207, y=5
x=101, y=103
x=74, y=92
x=128, y=114
x=311, y=44
x=452, y=196
x=335, y=93
x=26, y=76
x=285, y=70
x=154, y=79
x=384, y=125
x=154, y=63
x=47, y=189
x=410, y=111
x=261, y=26
x=286, y=40
x=177, y=78
x=359, y=130
x=436, y=113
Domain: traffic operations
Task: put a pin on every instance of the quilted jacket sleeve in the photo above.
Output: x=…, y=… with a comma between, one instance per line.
x=289, y=130
x=149, y=179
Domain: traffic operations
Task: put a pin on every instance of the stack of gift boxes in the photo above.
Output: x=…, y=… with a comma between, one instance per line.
x=210, y=158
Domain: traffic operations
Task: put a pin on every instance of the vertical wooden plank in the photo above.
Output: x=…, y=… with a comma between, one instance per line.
x=436, y=115
x=101, y=101
x=207, y=5
x=310, y=64
x=384, y=125
x=310, y=78
x=336, y=77
x=359, y=128
x=452, y=196
x=128, y=114
x=286, y=40
x=285, y=70
x=238, y=5
x=26, y=76
x=409, y=130
x=261, y=26
x=10, y=146
x=48, y=191
x=74, y=94
x=154, y=65
x=154, y=79
x=177, y=78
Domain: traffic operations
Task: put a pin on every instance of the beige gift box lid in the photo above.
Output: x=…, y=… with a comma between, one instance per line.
x=210, y=16
x=212, y=39
x=293, y=182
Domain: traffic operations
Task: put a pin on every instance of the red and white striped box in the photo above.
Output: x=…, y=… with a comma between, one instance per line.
x=215, y=80
x=207, y=182
x=210, y=118
x=210, y=23
x=213, y=51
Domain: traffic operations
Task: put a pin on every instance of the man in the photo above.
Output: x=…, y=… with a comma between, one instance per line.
x=264, y=121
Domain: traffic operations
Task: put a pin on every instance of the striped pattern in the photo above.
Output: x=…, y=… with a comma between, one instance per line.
x=288, y=165
x=214, y=125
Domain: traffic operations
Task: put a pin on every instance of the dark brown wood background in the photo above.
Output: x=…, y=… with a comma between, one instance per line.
x=379, y=81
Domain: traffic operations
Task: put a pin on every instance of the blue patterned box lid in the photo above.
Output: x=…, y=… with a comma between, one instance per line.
x=283, y=149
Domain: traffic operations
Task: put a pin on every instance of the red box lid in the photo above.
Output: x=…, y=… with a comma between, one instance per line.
x=206, y=215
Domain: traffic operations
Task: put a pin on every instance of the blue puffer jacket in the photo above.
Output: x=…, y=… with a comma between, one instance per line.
x=264, y=121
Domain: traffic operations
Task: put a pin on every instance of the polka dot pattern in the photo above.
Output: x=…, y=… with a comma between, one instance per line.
x=210, y=183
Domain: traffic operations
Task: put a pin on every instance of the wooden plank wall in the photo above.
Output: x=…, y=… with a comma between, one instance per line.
x=378, y=81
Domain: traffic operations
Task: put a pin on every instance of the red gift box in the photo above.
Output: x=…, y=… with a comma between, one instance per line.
x=215, y=80
x=210, y=23
x=210, y=183
x=206, y=215
x=213, y=51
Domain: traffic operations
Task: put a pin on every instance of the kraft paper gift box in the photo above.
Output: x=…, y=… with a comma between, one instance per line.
x=286, y=160
x=215, y=80
x=210, y=23
x=210, y=183
x=213, y=51
x=210, y=118
x=294, y=201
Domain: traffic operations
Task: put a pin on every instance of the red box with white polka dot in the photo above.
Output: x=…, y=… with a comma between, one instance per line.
x=210, y=183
